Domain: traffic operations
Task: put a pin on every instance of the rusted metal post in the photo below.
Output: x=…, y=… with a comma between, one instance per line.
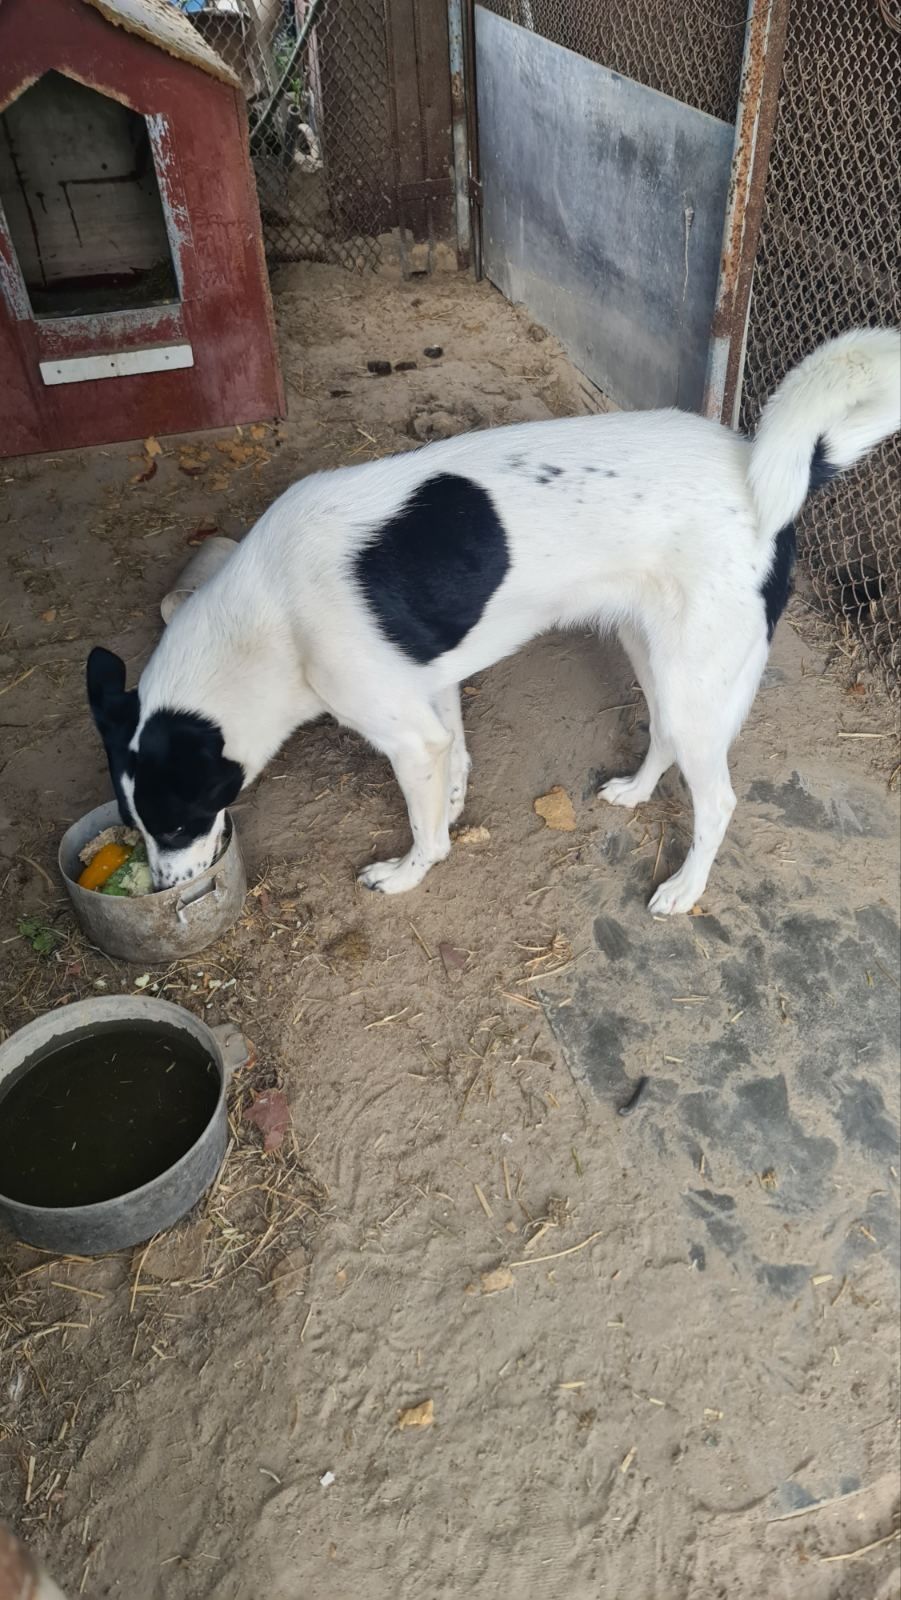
x=472, y=135
x=461, y=142
x=758, y=103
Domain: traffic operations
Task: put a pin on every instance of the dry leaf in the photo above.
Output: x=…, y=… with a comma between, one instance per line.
x=152, y=447
x=493, y=1282
x=269, y=1112
x=417, y=1416
x=477, y=835
x=218, y=481
x=258, y=431
x=49, y=616
x=238, y=453
x=191, y=469
x=149, y=472
x=557, y=809
x=454, y=960
x=202, y=531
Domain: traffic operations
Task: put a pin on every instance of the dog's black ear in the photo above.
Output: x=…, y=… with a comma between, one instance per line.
x=226, y=780
x=115, y=710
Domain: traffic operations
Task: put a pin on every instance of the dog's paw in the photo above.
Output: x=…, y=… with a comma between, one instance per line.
x=625, y=792
x=676, y=896
x=393, y=877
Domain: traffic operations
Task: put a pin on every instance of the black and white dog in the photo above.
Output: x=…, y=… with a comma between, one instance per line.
x=371, y=592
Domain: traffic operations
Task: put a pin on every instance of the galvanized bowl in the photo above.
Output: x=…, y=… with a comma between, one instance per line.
x=137, y=1215
x=154, y=928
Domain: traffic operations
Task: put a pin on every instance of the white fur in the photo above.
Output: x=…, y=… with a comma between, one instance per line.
x=847, y=393
x=667, y=540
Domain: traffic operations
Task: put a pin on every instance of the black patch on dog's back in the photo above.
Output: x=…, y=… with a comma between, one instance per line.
x=431, y=570
x=821, y=469
x=777, y=585
x=182, y=778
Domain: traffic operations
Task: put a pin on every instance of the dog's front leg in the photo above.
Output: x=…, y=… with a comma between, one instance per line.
x=421, y=762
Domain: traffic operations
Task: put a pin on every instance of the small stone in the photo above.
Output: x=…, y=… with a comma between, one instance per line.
x=405, y=366
x=379, y=369
x=433, y=351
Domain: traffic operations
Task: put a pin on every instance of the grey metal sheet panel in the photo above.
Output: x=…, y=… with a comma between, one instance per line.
x=603, y=212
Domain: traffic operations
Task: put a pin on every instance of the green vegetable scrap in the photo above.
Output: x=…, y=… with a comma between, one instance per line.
x=133, y=877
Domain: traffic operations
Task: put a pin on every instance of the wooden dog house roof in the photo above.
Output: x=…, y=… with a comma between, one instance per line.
x=163, y=24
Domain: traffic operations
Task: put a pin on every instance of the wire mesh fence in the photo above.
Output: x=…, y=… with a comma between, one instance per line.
x=315, y=73
x=689, y=51
x=827, y=261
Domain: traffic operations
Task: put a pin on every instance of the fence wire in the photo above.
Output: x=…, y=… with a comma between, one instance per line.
x=688, y=49
x=320, y=140
x=827, y=261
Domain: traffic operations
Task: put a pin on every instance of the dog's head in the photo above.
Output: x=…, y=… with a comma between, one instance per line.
x=170, y=774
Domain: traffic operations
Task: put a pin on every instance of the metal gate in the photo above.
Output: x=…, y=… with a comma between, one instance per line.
x=622, y=147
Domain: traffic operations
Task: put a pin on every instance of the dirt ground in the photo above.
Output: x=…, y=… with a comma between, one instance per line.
x=660, y=1350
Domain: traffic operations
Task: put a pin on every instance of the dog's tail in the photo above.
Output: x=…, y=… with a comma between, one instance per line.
x=828, y=412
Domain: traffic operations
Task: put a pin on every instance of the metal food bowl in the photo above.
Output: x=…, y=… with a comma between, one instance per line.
x=153, y=928
x=138, y=1213
x=210, y=559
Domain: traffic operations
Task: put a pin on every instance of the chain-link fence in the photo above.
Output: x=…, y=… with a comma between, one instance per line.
x=315, y=73
x=688, y=49
x=828, y=261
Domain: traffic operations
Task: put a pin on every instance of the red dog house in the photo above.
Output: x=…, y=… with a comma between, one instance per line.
x=133, y=291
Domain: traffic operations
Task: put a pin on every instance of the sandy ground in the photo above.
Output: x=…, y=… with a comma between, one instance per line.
x=685, y=1381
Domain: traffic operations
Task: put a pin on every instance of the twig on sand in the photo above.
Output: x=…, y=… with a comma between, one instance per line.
x=556, y=1255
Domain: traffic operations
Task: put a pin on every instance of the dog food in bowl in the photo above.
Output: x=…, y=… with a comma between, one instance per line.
x=116, y=863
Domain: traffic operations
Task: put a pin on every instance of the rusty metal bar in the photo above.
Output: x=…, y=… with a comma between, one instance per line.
x=758, y=103
x=460, y=131
x=472, y=135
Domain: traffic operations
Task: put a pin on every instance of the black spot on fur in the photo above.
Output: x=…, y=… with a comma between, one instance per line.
x=610, y=473
x=182, y=778
x=430, y=572
x=822, y=470
x=777, y=586
x=542, y=479
x=516, y=462
x=552, y=472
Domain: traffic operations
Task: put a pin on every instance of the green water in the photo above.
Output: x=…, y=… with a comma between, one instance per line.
x=104, y=1113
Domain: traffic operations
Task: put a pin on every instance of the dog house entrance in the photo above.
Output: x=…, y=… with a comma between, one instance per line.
x=82, y=202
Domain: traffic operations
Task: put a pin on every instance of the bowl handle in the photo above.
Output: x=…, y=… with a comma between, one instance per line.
x=237, y=1052
x=186, y=902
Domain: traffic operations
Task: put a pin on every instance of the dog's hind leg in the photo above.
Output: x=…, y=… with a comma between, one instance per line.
x=447, y=708
x=702, y=714
x=419, y=748
x=661, y=755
